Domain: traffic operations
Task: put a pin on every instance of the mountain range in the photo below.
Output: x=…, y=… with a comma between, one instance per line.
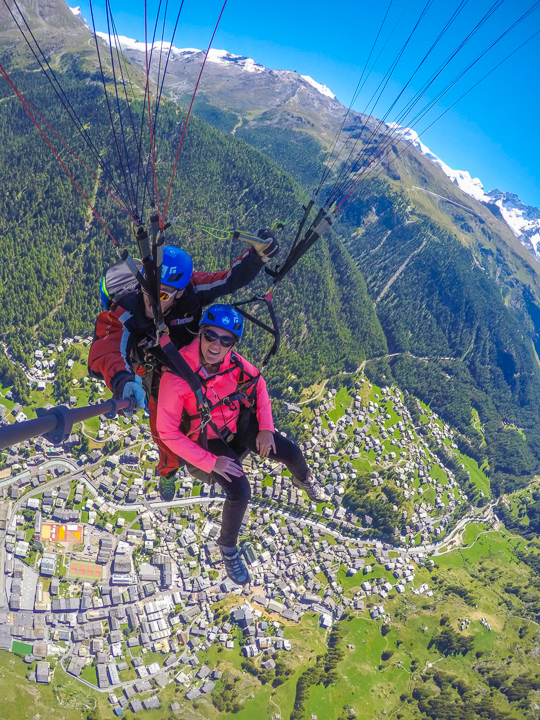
x=289, y=101
x=523, y=220
x=423, y=276
x=261, y=97
x=229, y=83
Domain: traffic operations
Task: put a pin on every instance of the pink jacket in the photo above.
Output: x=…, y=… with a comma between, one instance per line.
x=175, y=395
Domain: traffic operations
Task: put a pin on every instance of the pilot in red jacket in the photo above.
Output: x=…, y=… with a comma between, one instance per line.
x=124, y=353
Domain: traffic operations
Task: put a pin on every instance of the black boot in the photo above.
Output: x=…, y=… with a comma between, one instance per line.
x=311, y=487
x=234, y=567
x=167, y=487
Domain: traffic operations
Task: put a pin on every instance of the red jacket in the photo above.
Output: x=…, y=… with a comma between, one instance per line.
x=116, y=350
x=175, y=395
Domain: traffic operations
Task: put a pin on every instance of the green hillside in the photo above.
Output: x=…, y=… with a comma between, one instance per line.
x=433, y=297
x=53, y=252
x=456, y=293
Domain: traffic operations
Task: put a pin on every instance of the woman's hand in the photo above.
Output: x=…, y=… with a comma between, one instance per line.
x=265, y=442
x=226, y=467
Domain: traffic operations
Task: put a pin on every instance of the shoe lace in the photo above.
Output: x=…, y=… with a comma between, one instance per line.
x=234, y=561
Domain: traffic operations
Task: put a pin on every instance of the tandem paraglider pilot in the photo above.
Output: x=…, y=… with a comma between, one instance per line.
x=124, y=352
x=238, y=418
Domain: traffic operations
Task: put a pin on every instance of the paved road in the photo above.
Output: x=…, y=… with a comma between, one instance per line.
x=26, y=475
x=443, y=546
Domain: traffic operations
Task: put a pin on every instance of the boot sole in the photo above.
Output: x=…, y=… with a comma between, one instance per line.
x=301, y=487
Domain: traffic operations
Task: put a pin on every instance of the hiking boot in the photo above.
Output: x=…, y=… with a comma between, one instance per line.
x=311, y=487
x=167, y=487
x=234, y=567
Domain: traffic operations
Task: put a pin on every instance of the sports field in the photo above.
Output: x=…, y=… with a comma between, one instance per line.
x=91, y=571
x=21, y=648
x=53, y=532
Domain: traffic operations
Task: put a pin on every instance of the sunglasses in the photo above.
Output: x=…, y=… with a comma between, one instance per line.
x=164, y=295
x=226, y=340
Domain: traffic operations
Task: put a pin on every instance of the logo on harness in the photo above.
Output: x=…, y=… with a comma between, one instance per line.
x=182, y=321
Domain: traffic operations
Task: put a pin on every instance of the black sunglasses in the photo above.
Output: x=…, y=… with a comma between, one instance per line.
x=226, y=340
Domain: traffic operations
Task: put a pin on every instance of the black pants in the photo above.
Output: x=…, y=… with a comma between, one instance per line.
x=238, y=491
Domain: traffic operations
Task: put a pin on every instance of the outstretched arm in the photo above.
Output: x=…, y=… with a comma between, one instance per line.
x=211, y=286
x=109, y=357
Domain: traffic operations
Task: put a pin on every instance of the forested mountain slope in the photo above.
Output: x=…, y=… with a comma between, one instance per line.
x=452, y=285
x=453, y=339
x=53, y=253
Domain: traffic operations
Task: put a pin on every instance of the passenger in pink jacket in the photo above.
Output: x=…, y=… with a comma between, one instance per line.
x=232, y=425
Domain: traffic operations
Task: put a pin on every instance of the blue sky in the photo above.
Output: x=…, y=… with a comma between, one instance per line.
x=484, y=134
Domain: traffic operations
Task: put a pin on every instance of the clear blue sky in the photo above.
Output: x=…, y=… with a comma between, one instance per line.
x=486, y=133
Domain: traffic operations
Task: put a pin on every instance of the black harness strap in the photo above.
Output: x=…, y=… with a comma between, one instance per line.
x=321, y=223
x=179, y=366
x=274, y=330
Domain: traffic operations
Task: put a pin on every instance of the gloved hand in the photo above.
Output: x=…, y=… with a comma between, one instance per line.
x=134, y=389
x=271, y=247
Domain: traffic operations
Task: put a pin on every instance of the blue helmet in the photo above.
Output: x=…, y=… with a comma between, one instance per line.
x=177, y=267
x=224, y=316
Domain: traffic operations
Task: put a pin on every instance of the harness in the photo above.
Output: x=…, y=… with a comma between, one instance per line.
x=245, y=395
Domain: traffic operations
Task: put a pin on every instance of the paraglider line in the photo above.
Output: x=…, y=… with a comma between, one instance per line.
x=190, y=107
x=60, y=93
x=158, y=103
x=74, y=153
x=6, y=77
x=108, y=103
x=149, y=106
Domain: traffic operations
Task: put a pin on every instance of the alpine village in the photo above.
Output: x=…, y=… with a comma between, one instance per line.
x=406, y=584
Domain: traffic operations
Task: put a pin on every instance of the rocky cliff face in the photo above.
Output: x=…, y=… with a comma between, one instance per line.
x=524, y=220
x=51, y=21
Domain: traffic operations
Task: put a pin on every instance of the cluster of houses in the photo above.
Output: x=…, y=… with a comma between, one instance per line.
x=159, y=580
x=411, y=470
x=43, y=369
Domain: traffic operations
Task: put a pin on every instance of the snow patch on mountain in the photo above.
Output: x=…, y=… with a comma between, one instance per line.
x=523, y=220
x=220, y=57
x=318, y=86
x=472, y=186
x=77, y=12
x=126, y=43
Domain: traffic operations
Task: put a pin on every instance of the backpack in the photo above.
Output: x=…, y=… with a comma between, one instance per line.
x=118, y=282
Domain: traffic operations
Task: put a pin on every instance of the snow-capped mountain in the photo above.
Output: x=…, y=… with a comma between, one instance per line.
x=523, y=220
x=218, y=57
x=284, y=98
x=77, y=12
x=256, y=95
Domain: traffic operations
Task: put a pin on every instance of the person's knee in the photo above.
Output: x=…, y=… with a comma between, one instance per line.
x=295, y=456
x=239, y=489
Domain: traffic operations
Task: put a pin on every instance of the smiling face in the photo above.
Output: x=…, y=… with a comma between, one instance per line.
x=213, y=351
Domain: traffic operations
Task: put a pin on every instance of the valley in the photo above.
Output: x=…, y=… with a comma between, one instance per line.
x=413, y=614
x=408, y=373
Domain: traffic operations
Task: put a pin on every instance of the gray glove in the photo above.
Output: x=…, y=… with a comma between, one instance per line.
x=134, y=389
x=271, y=248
